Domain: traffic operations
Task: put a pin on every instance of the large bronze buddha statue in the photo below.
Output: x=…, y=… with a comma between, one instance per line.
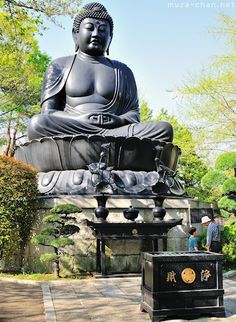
x=89, y=93
x=88, y=138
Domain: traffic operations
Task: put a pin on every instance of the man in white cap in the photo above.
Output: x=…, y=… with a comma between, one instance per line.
x=213, y=235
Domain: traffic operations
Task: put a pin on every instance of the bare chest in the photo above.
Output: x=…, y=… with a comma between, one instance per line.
x=87, y=79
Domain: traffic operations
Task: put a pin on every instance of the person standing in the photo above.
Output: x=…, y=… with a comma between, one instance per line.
x=193, y=240
x=213, y=235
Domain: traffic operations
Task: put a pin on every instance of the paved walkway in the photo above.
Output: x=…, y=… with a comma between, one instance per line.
x=96, y=300
x=21, y=302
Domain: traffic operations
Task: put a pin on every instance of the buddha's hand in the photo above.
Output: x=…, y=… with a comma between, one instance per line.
x=104, y=120
x=111, y=121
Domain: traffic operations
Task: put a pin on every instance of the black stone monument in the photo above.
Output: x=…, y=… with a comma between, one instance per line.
x=88, y=139
x=182, y=284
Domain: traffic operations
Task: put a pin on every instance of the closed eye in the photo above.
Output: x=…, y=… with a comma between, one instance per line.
x=89, y=26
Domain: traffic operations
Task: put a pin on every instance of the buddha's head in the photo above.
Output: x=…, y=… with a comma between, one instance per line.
x=93, y=29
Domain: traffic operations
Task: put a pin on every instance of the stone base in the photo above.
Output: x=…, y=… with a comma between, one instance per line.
x=121, y=255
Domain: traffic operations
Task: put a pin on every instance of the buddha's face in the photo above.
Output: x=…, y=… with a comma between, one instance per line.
x=94, y=36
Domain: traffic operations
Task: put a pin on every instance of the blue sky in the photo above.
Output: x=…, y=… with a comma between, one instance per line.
x=162, y=41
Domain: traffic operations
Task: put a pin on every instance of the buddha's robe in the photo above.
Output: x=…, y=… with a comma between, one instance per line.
x=124, y=104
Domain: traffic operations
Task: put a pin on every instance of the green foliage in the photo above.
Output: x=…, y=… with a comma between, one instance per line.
x=202, y=240
x=229, y=242
x=210, y=96
x=42, y=277
x=220, y=181
x=33, y=277
x=145, y=111
x=49, y=257
x=213, y=179
x=22, y=66
x=70, y=230
x=56, y=235
x=66, y=209
x=50, y=231
x=53, y=219
x=39, y=9
x=191, y=167
x=227, y=204
x=229, y=186
x=62, y=242
x=229, y=253
x=18, y=198
x=41, y=240
x=226, y=161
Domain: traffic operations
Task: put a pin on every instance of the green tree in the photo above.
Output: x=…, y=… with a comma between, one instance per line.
x=22, y=66
x=39, y=9
x=220, y=182
x=61, y=224
x=211, y=96
x=191, y=166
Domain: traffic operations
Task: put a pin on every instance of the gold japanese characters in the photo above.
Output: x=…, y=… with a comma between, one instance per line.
x=188, y=276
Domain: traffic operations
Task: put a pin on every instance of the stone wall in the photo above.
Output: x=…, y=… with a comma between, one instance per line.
x=121, y=255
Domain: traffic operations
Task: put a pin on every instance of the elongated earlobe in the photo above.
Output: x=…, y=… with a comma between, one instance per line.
x=74, y=35
x=108, y=48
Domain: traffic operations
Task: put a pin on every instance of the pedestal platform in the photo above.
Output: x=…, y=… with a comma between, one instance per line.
x=90, y=164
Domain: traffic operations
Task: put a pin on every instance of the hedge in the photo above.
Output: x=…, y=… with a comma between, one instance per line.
x=18, y=198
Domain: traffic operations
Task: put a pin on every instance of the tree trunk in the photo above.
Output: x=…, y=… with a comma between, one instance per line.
x=13, y=143
x=57, y=265
x=8, y=138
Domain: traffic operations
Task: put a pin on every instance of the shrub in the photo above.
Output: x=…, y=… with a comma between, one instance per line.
x=18, y=197
x=229, y=186
x=213, y=179
x=227, y=204
x=221, y=183
x=226, y=161
x=229, y=243
x=61, y=225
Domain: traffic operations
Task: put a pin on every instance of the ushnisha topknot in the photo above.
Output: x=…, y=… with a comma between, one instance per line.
x=92, y=10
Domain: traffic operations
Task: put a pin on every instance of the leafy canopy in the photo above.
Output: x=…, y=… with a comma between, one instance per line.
x=220, y=182
x=210, y=96
x=40, y=9
x=22, y=66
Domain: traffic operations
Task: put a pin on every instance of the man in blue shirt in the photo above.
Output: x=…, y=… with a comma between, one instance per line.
x=193, y=240
x=213, y=235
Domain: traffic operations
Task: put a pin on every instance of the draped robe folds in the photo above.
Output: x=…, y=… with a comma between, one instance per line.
x=124, y=104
